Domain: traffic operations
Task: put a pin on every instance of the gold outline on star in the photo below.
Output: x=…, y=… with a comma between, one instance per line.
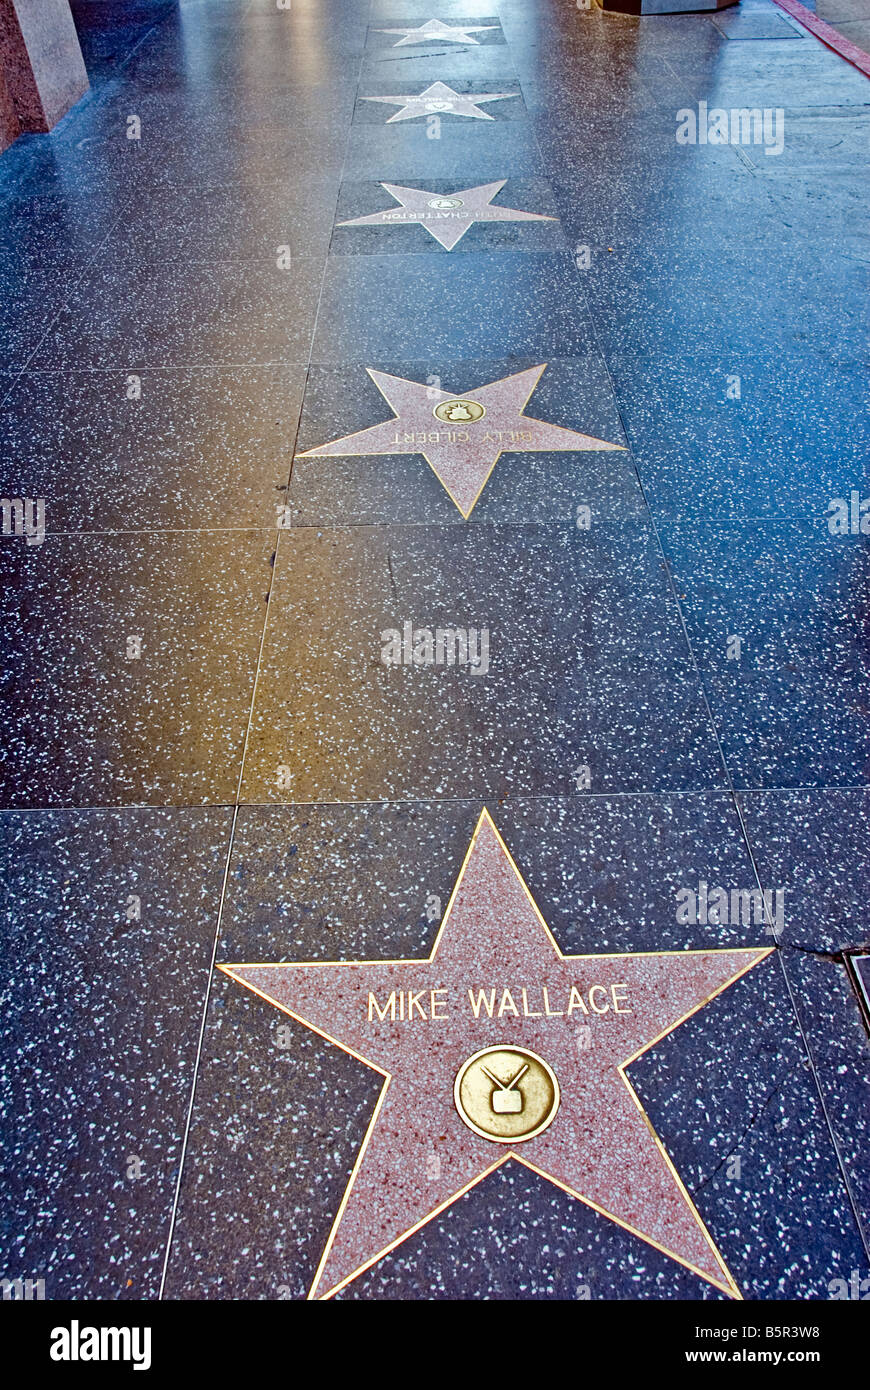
x=378, y=453
x=727, y=1285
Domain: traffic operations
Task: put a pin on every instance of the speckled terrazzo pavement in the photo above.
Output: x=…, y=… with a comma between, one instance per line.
x=94, y=1109
x=257, y=692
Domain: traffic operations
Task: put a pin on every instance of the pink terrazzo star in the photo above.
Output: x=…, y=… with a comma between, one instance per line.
x=439, y=99
x=460, y=437
x=496, y=978
x=445, y=216
x=436, y=29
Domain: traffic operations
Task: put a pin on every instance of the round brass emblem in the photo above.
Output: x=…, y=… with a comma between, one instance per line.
x=506, y=1094
x=459, y=412
x=445, y=204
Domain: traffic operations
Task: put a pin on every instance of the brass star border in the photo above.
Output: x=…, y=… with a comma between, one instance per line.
x=493, y=843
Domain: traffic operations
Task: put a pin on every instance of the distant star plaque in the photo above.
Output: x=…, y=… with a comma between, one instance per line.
x=445, y=216
x=439, y=98
x=436, y=30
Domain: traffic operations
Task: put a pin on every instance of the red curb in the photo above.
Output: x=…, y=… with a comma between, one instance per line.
x=846, y=49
